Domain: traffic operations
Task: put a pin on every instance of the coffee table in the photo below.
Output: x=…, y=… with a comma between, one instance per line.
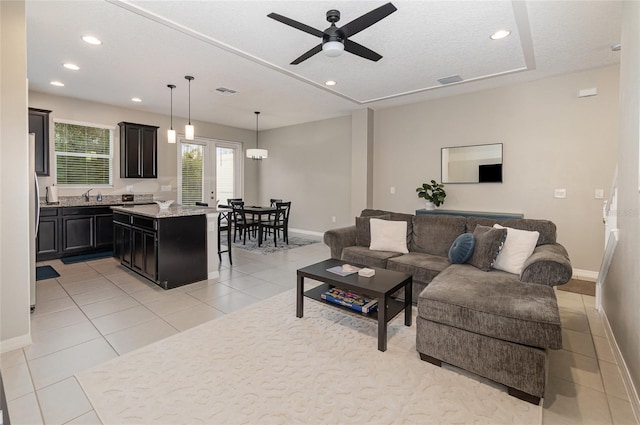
x=380, y=286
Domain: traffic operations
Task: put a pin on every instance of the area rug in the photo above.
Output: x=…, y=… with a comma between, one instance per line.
x=268, y=246
x=577, y=286
x=46, y=272
x=86, y=257
x=262, y=365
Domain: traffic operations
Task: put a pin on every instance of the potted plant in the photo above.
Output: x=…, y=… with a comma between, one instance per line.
x=433, y=193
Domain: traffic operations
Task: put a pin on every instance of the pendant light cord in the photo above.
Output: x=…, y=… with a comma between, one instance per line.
x=257, y=115
x=189, y=78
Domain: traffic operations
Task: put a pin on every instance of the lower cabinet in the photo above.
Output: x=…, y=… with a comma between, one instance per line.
x=67, y=231
x=169, y=251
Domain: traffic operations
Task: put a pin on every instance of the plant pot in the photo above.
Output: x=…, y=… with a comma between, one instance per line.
x=429, y=205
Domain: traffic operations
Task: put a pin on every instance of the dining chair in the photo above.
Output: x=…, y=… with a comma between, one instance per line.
x=224, y=225
x=242, y=224
x=280, y=222
x=230, y=200
x=272, y=204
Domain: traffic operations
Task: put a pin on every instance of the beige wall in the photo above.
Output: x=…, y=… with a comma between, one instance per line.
x=621, y=292
x=15, y=180
x=310, y=165
x=552, y=139
x=97, y=113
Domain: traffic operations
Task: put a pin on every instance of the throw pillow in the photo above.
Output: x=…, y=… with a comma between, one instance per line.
x=388, y=235
x=518, y=246
x=462, y=248
x=363, y=234
x=489, y=241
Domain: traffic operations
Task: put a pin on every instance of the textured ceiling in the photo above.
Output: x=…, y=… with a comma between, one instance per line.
x=233, y=44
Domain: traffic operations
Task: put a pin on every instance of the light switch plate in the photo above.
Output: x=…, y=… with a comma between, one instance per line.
x=599, y=193
x=560, y=193
x=165, y=188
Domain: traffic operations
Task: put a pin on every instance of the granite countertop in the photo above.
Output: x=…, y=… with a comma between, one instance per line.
x=107, y=201
x=174, y=210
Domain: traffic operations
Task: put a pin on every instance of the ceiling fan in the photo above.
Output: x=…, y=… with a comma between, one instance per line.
x=334, y=39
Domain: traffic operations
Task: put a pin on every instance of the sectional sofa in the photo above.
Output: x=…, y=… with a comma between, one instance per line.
x=495, y=323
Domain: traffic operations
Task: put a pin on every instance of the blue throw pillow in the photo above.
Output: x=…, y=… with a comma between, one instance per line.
x=462, y=248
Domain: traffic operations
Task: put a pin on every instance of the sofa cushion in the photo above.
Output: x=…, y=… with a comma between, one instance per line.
x=489, y=241
x=462, y=248
x=387, y=235
x=363, y=255
x=546, y=228
x=422, y=267
x=494, y=304
x=518, y=246
x=434, y=234
x=363, y=229
x=393, y=216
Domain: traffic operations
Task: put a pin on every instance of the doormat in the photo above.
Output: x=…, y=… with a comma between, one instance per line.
x=268, y=246
x=86, y=257
x=577, y=286
x=46, y=272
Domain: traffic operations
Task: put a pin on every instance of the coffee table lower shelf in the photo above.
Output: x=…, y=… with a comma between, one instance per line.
x=393, y=307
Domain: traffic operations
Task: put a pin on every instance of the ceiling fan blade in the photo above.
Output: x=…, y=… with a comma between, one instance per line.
x=308, y=54
x=360, y=50
x=367, y=20
x=295, y=24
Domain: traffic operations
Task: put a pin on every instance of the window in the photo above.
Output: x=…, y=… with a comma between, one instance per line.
x=84, y=154
x=192, y=176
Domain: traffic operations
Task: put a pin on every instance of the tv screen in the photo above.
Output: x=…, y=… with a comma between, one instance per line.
x=490, y=173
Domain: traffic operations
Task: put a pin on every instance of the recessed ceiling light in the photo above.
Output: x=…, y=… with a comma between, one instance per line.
x=136, y=99
x=57, y=83
x=500, y=34
x=91, y=40
x=330, y=83
x=71, y=66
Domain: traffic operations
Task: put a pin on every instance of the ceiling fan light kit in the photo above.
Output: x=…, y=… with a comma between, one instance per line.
x=257, y=154
x=336, y=40
x=189, y=131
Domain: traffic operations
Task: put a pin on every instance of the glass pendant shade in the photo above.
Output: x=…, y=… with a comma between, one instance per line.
x=189, y=132
x=171, y=136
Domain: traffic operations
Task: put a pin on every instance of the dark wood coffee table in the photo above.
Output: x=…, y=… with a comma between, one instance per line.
x=380, y=286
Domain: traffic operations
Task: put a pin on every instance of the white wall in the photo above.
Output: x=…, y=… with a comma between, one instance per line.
x=15, y=180
x=552, y=139
x=621, y=292
x=96, y=113
x=309, y=165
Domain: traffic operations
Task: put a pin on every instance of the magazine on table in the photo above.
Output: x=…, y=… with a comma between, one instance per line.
x=344, y=270
x=349, y=299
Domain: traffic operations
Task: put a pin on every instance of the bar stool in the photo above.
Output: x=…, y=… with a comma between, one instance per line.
x=224, y=224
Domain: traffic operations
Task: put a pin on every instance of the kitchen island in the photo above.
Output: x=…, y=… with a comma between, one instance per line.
x=171, y=247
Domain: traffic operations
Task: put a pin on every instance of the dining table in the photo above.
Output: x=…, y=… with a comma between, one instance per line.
x=257, y=211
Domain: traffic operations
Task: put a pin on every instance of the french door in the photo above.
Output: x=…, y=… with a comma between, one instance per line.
x=209, y=171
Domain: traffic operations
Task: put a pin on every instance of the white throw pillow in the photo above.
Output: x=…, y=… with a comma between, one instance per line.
x=517, y=248
x=388, y=235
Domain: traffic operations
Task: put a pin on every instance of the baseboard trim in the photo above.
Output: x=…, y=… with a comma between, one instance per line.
x=585, y=275
x=632, y=391
x=306, y=232
x=15, y=343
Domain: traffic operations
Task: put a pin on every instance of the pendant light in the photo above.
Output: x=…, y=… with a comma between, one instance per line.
x=256, y=153
x=189, y=131
x=171, y=133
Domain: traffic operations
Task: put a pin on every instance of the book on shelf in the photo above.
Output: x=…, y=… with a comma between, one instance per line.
x=344, y=270
x=349, y=299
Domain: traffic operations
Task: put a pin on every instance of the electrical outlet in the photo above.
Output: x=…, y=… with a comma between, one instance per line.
x=333, y=219
x=560, y=193
x=392, y=190
x=599, y=193
x=130, y=188
x=165, y=188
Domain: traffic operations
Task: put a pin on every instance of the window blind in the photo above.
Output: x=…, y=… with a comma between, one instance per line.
x=84, y=154
x=225, y=173
x=192, y=173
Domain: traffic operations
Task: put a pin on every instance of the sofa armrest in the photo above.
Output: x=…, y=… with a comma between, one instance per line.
x=337, y=239
x=548, y=265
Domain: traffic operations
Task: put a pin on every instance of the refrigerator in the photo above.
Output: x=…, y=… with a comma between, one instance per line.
x=34, y=219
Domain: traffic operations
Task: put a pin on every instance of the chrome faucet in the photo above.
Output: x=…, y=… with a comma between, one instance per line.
x=86, y=195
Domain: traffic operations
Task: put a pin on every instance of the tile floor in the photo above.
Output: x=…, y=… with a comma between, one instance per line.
x=98, y=310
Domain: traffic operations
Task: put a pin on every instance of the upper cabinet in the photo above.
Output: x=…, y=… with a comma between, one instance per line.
x=138, y=150
x=39, y=124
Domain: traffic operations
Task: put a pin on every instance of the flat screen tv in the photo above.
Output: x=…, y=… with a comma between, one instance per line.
x=490, y=173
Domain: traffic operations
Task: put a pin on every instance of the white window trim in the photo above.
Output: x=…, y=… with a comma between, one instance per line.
x=111, y=129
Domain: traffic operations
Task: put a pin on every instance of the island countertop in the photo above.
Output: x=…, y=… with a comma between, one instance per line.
x=174, y=210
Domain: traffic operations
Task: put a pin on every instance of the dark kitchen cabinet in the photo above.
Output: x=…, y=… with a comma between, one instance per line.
x=104, y=230
x=170, y=251
x=86, y=229
x=48, y=237
x=77, y=233
x=39, y=124
x=138, y=150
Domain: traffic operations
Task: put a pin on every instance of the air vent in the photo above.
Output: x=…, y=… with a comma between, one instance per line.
x=225, y=91
x=449, y=80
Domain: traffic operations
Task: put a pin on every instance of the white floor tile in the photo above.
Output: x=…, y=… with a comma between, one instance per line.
x=578, y=342
x=244, y=283
x=574, y=321
x=61, y=338
x=88, y=285
x=211, y=292
x=103, y=294
x=185, y=319
x=140, y=335
x=48, y=322
x=579, y=369
x=112, y=305
x=12, y=358
x=621, y=411
x=265, y=290
x=175, y=302
x=568, y=403
x=52, y=306
x=17, y=381
x=89, y=418
x=63, y=401
x=612, y=379
x=123, y=319
x=25, y=410
x=603, y=349
x=232, y=302
x=67, y=279
x=48, y=290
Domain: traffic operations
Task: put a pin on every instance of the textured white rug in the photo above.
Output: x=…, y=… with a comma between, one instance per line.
x=263, y=365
